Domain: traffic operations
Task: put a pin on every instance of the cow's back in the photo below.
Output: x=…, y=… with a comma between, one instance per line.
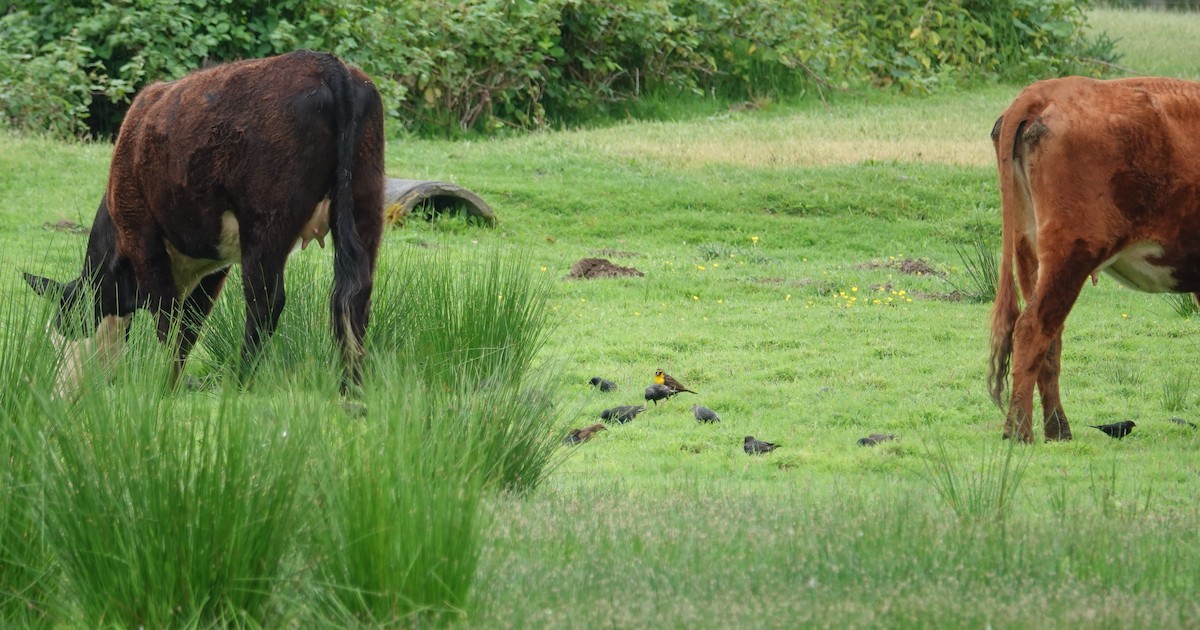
x=241, y=138
x=1121, y=159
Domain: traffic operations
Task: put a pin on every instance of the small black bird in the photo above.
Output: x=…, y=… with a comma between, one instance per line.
x=604, y=384
x=658, y=392
x=578, y=436
x=1183, y=422
x=621, y=414
x=704, y=414
x=757, y=447
x=875, y=438
x=1117, y=429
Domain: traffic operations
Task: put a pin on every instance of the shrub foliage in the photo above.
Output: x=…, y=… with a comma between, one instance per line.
x=71, y=66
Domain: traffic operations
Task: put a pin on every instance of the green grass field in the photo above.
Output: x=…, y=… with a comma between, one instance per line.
x=777, y=247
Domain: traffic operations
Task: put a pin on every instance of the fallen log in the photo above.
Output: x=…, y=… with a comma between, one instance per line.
x=402, y=196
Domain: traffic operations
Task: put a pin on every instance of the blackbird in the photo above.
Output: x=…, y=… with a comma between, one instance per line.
x=578, y=436
x=875, y=438
x=1116, y=429
x=621, y=414
x=704, y=414
x=604, y=384
x=757, y=447
x=662, y=378
x=656, y=392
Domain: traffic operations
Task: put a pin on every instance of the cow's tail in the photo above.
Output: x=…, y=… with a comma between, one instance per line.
x=1005, y=137
x=353, y=259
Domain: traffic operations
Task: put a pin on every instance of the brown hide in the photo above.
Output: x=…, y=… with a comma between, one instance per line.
x=241, y=163
x=1094, y=176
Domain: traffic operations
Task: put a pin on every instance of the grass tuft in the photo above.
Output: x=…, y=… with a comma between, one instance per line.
x=1183, y=304
x=399, y=530
x=982, y=266
x=986, y=492
x=1176, y=390
x=160, y=508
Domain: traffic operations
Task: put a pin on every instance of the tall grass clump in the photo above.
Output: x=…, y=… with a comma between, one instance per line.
x=479, y=321
x=1183, y=304
x=400, y=532
x=169, y=511
x=1176, y=389
x=982, y=266
x=977, y=493
x=27, y=578
x=476, y=328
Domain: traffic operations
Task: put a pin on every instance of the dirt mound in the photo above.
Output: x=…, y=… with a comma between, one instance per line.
x=65, y=225
x=600, y=268
x=911, y=266
x=916, y=266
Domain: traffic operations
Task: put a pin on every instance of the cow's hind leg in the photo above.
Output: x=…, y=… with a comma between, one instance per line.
x=195, y=310
x=1055, y=423
x=1037, y=329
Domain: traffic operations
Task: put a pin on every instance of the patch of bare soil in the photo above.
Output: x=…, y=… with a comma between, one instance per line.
x=65, y=225
x=949, y=296
x=588, y=268
x=911, y=266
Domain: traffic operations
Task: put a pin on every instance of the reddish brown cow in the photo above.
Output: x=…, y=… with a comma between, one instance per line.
x=1094, y=176
x=237, y=163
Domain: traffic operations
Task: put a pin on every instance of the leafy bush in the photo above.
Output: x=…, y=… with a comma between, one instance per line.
x=71, y=66
x=45, y=87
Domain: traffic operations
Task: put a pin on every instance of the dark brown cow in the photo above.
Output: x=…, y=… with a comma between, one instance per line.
x=237, y=163
x=1094, y=176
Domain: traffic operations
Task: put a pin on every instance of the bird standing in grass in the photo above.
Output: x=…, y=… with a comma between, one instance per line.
x=1116, y=429
x=662, y=378
x=757, y=447
x=578, y=436
x=704, y=414
x=657, y=392
x=621, y=414
x=604, y=384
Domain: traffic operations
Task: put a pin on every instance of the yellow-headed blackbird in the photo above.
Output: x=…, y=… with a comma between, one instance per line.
x=662, y=378
x=622, y=414
x=704, y=414
x=657, y=392
x=757, y=447
x=604, y=384
x=875, y=438
x=1117, y=429
x=578, y=436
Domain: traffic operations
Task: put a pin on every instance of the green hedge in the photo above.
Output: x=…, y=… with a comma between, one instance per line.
x=70, y=67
